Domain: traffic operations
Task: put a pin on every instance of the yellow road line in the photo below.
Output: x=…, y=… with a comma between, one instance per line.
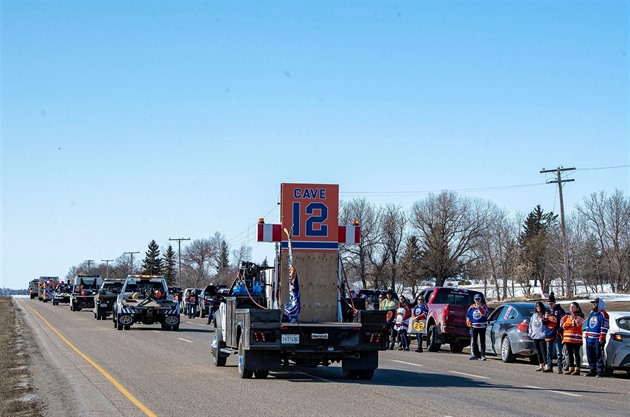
x=110, y=378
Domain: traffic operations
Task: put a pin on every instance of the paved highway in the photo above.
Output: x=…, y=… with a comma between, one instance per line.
x=85, y=367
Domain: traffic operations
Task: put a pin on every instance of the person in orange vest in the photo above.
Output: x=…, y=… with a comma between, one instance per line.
x=571, y=325
x=596, y=330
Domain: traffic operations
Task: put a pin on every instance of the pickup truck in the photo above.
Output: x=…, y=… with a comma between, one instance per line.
x=446, y=319
x=105, y=298
x=145, y=299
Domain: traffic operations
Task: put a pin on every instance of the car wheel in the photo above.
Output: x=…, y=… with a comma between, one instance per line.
x=242, y=360
x=432, y=344
x=507, y=355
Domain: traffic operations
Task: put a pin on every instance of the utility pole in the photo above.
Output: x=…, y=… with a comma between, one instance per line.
x=130, y=254
x=107, y=261
x=89, y=262
x=559, y=181
x=179, y=251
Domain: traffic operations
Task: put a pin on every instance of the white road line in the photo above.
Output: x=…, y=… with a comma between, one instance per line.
x=570, y=394
x=185, y=340
x=406, y=363
x=471, y=375
x=316, y=377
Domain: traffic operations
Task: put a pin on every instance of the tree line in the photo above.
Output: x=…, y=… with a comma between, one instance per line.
x=442, y=237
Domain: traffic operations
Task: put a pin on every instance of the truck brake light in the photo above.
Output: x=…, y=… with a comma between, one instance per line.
x=446, y=313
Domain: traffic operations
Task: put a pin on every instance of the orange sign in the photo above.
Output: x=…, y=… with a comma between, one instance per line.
x=311, y=213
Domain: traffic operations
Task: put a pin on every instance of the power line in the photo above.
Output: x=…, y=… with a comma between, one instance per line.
x=411, y=193
x=612, y=167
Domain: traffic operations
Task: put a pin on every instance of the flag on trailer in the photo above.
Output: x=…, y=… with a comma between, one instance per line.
x=292, y=308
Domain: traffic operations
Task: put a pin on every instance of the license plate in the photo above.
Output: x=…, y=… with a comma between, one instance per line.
x=292, y=339
x=103, y=304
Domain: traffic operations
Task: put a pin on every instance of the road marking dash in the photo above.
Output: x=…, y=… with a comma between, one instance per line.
x=471, y=375
x=185, y=340
x=570, y=394
x=407, y=363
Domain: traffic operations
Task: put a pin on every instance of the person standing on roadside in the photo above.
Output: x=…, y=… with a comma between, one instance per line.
x=192, y=304
x=477, y=320
x=554, y=338
x=571, y=326
x=390, y=304
x=402, y=323
x=537, y=334
x=419, y=312
x=596, y=329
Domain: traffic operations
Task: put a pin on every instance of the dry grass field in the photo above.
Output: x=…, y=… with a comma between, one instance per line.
x=17, y=392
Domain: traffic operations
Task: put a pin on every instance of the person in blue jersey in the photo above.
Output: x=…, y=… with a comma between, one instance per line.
x=596, y=329
x=292, y=308
x=477, y=320
x=419, y=312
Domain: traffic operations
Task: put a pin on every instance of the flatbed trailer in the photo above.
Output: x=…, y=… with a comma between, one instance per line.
x=253, y=324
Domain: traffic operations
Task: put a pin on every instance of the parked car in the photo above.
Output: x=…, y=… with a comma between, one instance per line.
x=617, y=348
x=507, y=334
x=446, y=319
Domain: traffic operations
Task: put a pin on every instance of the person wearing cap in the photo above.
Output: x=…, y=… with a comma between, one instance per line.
x=391, y=305
x=477, y=320
x=596, y=330
x=553, y=336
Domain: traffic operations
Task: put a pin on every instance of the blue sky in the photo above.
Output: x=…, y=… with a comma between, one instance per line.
x=124, y=122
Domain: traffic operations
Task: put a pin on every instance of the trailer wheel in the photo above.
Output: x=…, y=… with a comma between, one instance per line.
x=215, y=347
x=261, y=374
x=242, y=360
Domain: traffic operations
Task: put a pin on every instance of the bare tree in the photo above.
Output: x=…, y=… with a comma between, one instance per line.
x=497, y=252
x=198, y=258
x=393, y=222
x=356, y=258
x=449, y=227
x=608, y=220
x=411, y=264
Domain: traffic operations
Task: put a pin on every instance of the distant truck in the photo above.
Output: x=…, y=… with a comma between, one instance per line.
x=253, y=322
x=46, y=288
x=105, y=298
x=446, y=319
x=33, y=288
x=62, y=293
x=145, y=299
x=83, y=291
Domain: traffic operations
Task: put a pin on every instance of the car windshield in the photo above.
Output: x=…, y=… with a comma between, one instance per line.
x=451, y=297
x=144, y=287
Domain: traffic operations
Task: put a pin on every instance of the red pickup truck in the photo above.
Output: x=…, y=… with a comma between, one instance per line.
x=446, y=319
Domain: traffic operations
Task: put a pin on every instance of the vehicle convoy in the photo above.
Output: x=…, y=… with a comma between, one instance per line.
x=446, y=319
x=83, y=291
x=145, y=299
x=33, y=288
x=105, y=298
x=46, y=288
x=254, y=323
x=62, y=293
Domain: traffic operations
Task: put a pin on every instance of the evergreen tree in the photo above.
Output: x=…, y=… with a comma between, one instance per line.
x=223, y=258
x=152, y=263
x=534, y=242
x=168, y=267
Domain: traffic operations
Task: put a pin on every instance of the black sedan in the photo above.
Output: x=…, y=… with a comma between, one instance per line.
x=508, y=332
